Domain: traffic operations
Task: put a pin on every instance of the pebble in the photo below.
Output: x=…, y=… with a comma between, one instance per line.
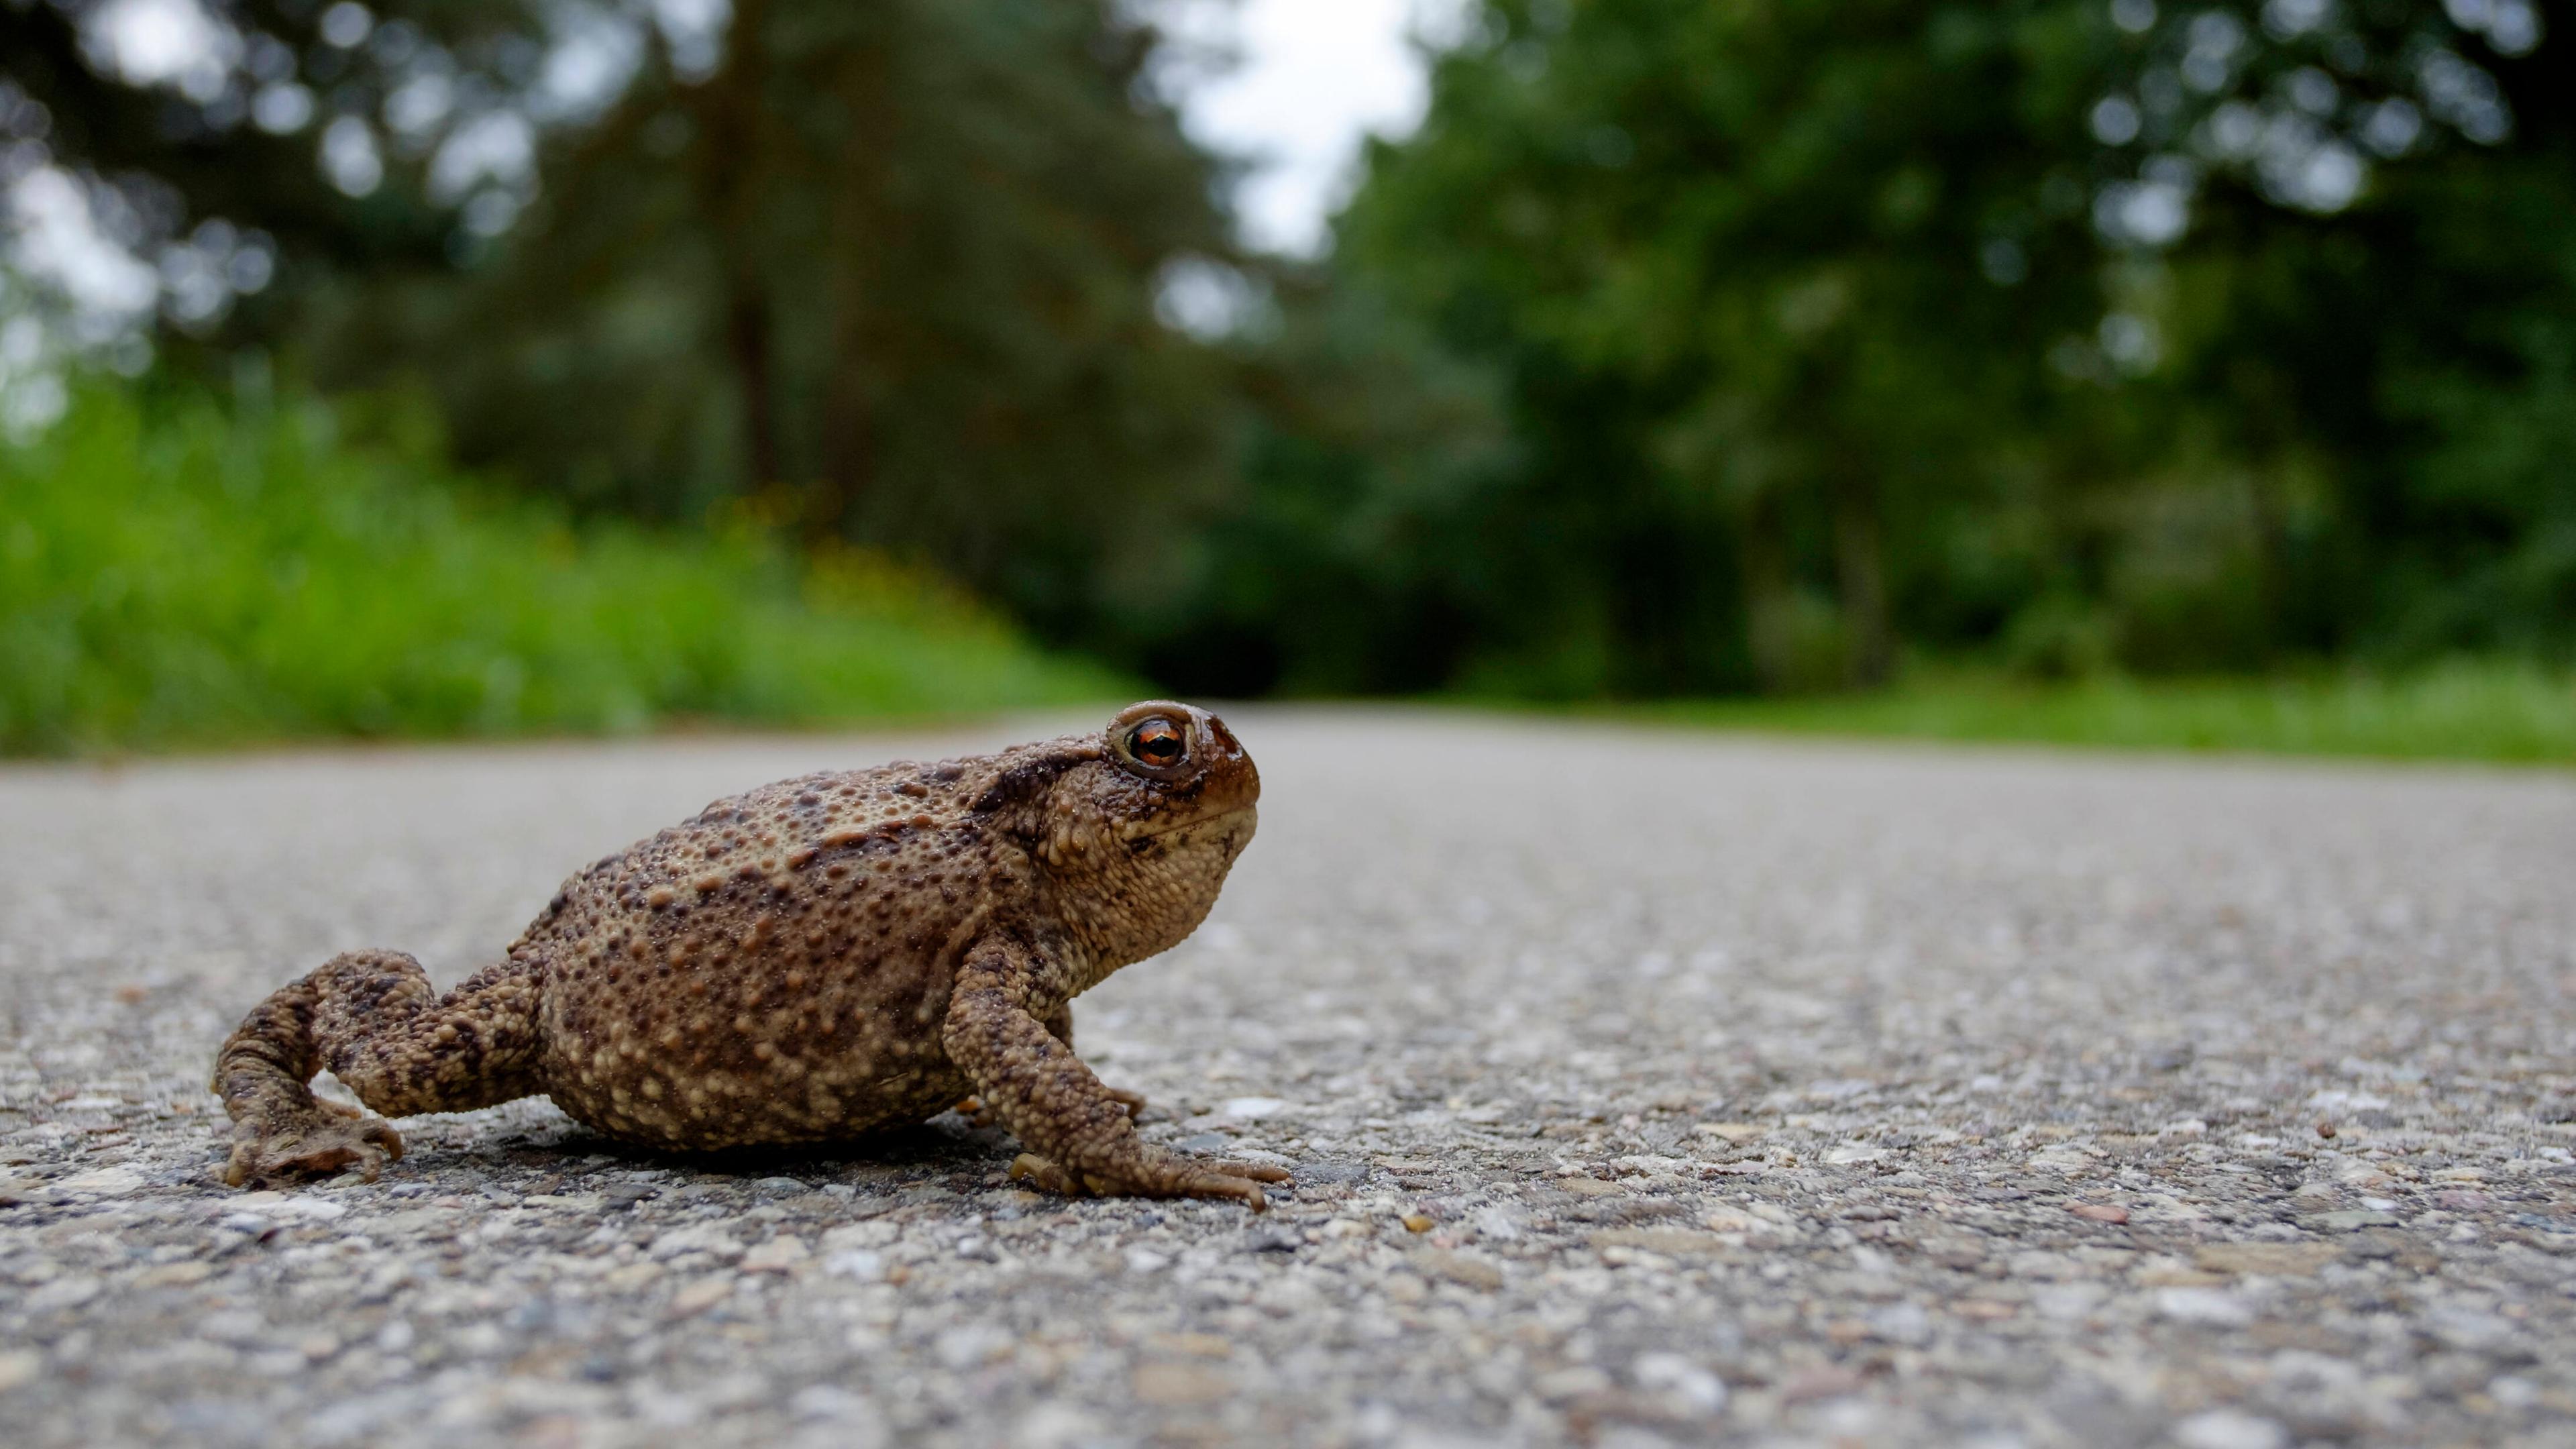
x=19, y=1367
x=2294, y=1260
x=1695, y=1389
x=856, y=1263
x=2230, y=1429
x=777, y=1255
x=1459, y=1268
x=1168, y=1385
x=101, y=1182
x=2352, y=1220
x=704, y=1293
x=2212, y=1306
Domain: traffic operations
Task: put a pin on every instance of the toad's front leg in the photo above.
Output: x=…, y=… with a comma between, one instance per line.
x=1079, y=1132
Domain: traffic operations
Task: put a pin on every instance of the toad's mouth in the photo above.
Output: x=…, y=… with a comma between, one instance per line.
x=1195, y=822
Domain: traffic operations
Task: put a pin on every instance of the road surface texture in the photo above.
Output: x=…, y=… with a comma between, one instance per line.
x=1643, y=1088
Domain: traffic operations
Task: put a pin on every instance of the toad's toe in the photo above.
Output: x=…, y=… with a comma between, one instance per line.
x=1257, y=1171
x=1213, y=1183
x=324, y=1140
x=1030, y=1167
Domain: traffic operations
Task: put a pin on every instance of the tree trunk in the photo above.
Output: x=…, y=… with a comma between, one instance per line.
x=861, y=231
x=747, y=338
x=2280, y=630
x=1769, y=600
x=727, y=108
x=849, y=434
x=1860, y=564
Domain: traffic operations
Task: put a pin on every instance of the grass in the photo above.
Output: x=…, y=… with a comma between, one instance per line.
x=2497, y=711
x=177, y=571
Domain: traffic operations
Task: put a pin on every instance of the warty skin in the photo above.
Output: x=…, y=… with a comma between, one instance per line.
x=811, y=961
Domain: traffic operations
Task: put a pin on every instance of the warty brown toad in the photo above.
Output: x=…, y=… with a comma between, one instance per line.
x=809, y=962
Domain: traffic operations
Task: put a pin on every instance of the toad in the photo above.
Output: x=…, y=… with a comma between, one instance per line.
x=809, y=962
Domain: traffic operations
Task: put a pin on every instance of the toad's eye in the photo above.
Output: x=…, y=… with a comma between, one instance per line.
x=1158, y=742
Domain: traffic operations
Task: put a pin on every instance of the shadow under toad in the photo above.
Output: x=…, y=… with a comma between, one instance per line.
x=532, y=1140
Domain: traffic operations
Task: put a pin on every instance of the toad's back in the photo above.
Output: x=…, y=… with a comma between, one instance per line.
x=775, y=968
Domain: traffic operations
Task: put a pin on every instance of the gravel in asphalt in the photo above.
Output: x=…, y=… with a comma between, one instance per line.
x=1642, y=1088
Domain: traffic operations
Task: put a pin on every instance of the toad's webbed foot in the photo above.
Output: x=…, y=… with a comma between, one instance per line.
x=1156, y=1174
x=317, y=1138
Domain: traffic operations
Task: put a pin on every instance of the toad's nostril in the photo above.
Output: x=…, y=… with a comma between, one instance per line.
x=1224, y=738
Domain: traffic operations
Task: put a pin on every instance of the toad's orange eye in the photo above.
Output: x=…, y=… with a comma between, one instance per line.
x=1157, y=742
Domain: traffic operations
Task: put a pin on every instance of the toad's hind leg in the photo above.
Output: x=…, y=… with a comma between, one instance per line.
x=372, y=1019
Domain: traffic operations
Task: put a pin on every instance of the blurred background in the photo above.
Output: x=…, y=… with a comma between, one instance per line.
x=2119, y=370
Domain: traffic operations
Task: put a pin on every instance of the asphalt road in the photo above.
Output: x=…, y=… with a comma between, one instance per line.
x=1643, y=1088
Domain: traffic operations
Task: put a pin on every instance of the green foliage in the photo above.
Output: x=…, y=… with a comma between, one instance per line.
x=176, y=572
x=1688, y=349
x=891, y=268
x=1364, y=513
x=2462, y=710
x=1730, y=263
x=1804, y=351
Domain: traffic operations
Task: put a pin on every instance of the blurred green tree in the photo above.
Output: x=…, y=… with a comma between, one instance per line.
x=888, y=271
x=1764, y=284
x=2354, y=229
x=1689, y=347
x=2075, y=334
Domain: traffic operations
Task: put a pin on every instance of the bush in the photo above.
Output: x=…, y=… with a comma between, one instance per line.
x=177, y=570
